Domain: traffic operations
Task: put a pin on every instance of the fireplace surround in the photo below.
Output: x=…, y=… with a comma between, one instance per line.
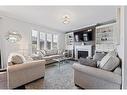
x=83, y=51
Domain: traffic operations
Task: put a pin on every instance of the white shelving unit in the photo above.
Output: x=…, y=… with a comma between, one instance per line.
x=69, y=43
x=107, y=37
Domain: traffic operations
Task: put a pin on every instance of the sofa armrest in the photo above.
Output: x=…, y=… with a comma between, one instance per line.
x=89, y=57
x=21, y=74
x=98, y=73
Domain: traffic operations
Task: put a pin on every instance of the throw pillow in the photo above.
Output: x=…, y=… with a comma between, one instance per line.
x=106, y=57
x=111, y=63
x=113, y=53
x=43, y=52
x=48, y=52
x=87, y=62
x=17, y=59
x=36, y=56
x=98, y=56
x=118, y=71
x=98, y=63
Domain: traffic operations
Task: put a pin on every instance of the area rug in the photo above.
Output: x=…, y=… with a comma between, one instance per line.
x=56, y=77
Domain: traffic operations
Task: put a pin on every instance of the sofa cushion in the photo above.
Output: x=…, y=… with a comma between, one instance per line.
x=118, y=71
x=87, y=62
x=51, y=52
x=36, y=57
x=110, y=63
x=98, y=56
x=51, y=57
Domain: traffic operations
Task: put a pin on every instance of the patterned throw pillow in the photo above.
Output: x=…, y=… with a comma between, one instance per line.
x=106, y=57
x=98, y=56
x=43, y=52
x=17, y=59
x=110, y=61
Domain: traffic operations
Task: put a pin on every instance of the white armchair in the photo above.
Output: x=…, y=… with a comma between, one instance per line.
x=24, y=73
x=3, y=79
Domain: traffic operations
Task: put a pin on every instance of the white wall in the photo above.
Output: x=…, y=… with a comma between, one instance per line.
x=2, y=46
x=24, y=28
x=125, y=46
x=61, y=41
x=120, y=18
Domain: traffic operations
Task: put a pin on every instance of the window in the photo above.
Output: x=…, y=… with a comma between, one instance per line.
x=42, y=40
x=49, y=41
x=55, y=41
x=34, y=40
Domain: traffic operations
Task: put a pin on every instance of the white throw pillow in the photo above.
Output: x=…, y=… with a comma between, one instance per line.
x=106, y=58
x=113, y=53
x=111, y=64
x=98, y=56
x=51, y=52
x=17, y=59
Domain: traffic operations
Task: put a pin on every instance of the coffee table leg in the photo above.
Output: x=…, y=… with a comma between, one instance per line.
x=59, y=64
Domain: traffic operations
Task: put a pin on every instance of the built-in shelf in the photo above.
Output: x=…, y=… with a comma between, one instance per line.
x=106, y=37
x=84, y=36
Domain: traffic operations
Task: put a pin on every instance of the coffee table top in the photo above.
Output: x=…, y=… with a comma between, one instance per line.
x=58, y=59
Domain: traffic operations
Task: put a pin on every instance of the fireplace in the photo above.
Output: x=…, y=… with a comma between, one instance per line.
x=83, y=51
x=82, y=54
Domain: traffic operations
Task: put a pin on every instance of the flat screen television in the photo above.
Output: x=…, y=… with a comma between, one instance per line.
x=83, y=36
x=87, y=36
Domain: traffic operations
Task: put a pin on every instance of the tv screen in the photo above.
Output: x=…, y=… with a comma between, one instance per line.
x=83, y=36
x=87, y=36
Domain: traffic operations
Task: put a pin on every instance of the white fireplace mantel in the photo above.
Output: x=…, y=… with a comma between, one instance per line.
x=83, y=48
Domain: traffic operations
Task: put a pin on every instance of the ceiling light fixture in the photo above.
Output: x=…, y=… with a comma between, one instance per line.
x=66, y=19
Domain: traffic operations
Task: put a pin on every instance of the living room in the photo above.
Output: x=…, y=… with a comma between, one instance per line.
x=62, y=45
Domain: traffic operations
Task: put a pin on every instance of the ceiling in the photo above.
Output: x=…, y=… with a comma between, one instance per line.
x=51, y=16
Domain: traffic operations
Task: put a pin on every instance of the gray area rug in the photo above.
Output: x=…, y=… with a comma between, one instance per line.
x=55, y=77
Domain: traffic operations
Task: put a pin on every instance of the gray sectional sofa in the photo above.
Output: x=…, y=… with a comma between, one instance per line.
x=47, y=55
x=93, y=78
x=105, y=75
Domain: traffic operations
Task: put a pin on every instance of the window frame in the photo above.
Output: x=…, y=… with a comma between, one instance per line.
x=45, y=40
